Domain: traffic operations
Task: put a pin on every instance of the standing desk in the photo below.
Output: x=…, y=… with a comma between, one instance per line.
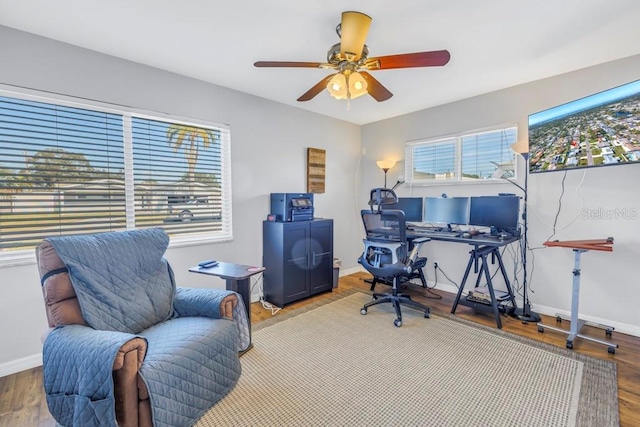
x=483, y=246
x=580, y=246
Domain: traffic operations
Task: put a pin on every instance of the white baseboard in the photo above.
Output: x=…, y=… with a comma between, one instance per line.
x=622, y=328
x=255, y=297
x=353, y=270
x=20, y=365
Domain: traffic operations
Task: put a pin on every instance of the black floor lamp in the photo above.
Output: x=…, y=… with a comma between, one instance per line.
x=385, y=165
x=525, y=313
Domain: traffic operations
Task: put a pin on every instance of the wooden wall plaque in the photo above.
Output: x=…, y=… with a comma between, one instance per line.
x=316, y=162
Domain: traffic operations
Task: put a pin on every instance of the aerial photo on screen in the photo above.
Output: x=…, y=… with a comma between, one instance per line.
x=599, y=130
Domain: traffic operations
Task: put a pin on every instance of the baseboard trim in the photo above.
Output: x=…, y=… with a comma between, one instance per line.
x=255, y=297
x=20, y=365
x=348, y=271
x=622, y=328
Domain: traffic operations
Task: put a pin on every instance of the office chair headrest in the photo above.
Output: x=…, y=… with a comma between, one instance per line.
x=381, y=196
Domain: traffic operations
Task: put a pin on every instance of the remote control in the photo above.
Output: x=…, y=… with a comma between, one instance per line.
x=208, y=263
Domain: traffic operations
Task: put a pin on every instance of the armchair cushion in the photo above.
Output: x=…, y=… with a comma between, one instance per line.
x=190, y=363
x=121, y=279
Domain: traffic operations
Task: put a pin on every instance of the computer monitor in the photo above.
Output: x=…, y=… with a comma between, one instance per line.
x=411, y=206
x=495, y=211
x=446, y=210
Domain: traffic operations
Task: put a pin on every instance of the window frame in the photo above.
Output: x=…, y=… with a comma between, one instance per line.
x=457, y=139
x=27, y=256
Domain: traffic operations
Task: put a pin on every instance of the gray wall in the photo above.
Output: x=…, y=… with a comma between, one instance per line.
x=609, y=284
x=269, y=142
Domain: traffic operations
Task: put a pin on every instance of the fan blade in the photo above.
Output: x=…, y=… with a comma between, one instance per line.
x=288, y=64
x=436, y=58
x=375, y=88
x=311, y=93
x=353, y=33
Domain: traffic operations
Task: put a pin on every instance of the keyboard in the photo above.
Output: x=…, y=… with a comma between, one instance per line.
x=427, y=232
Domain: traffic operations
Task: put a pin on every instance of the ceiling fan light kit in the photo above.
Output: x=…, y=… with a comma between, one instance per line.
x=350, y=59
x=347, y=85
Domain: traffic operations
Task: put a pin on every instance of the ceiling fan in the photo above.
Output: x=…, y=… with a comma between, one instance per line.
x=350, y=58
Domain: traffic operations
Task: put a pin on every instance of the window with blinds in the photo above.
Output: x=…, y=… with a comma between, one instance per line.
x=433, y=161
x=67, y=168
x=178, y=176
x=481, y=156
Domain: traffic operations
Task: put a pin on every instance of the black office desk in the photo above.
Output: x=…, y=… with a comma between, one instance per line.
x=483, y=246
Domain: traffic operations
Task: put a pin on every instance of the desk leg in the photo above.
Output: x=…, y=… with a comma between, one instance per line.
x=243, y=287
x=494, y=302
x=512, y=296
x=472, y=258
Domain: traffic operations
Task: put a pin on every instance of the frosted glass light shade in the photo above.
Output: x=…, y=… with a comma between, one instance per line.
x=357, y=85
x=385, y=165
x=337, y=86
x=520, y=147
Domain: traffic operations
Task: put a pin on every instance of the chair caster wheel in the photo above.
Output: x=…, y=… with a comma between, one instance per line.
x=540, y=329
x=611, y=350
x=569, y=345
x=427, y=314
x=363, y=311
x=397, y=322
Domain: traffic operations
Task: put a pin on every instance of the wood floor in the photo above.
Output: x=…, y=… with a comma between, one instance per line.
x=22, y=402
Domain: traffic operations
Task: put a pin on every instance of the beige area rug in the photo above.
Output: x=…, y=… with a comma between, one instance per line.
x=332, y=366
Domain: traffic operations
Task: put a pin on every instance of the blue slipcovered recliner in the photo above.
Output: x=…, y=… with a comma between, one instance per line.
x=127, y=346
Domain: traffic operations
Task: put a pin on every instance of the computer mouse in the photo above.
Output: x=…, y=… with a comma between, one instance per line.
x=466, y=235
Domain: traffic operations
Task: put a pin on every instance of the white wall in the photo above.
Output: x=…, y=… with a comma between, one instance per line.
x=609, y=288
x=269, y=142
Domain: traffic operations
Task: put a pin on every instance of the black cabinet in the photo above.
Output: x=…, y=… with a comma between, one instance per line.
x=298, y=257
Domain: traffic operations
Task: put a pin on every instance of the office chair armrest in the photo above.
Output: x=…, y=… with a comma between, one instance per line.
x=417, y=244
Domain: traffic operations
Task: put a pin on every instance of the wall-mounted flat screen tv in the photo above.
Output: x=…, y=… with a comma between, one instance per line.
x=599, y=130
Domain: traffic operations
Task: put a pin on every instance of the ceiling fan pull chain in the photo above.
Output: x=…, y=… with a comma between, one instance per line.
x=348, y=91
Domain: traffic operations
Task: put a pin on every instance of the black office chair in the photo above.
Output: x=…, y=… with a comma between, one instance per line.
x=386, y=253
x=378, y=198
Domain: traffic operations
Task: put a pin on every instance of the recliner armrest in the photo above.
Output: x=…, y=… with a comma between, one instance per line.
x=214, y=303
x=217, y=304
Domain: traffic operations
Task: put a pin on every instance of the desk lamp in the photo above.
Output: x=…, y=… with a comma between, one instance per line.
x=525, y=314
x=385, y=165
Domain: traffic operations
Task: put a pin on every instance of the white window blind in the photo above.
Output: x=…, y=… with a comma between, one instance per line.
x=178, y=176
x=433, y=161
x=488, y=155
x=480, y=156
x=68, y=168
x=61, y=170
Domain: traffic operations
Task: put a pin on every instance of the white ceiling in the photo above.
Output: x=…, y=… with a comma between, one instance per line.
x=493, y=43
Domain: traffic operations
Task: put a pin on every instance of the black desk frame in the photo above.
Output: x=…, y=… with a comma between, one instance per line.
x=481, y=253
x=483, y=246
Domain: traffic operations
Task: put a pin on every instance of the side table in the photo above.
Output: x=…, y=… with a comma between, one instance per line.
x=238, y=279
